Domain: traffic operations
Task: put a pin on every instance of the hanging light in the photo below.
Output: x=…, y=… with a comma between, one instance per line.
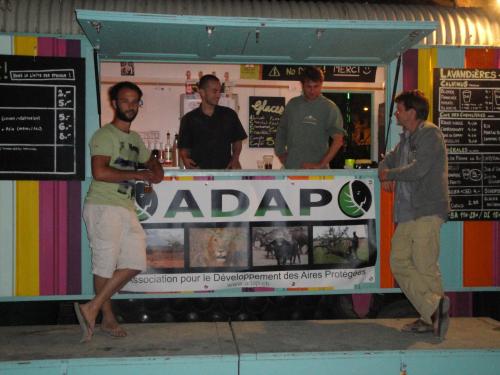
x=210, y=30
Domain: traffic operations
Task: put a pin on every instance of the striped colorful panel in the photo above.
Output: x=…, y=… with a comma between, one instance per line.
x=53, y=205
x=387, y=228
x=496, y=224
x=410, y=65
x=27, y=228
x=48, y=255
x=410, y=69
x=7, y=215
x=27, y=221
x=74, y=258
x=7, y=230
x=427, y=61
x=450, y=244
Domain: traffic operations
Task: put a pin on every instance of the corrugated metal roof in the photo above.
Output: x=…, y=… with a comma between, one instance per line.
x=458, y=26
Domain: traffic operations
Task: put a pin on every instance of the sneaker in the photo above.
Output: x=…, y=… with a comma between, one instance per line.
x=441, y=318
x=418, y=326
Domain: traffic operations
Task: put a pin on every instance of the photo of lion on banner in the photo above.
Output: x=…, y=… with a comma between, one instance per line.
x=218, y=247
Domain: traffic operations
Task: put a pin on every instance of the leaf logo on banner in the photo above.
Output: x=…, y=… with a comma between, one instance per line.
x=355, y=199
x=146, y=202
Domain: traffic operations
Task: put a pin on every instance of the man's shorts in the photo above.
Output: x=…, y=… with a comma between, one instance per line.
x=116, y=238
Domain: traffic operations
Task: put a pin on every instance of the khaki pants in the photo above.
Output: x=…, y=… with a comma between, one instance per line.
x=414, y=263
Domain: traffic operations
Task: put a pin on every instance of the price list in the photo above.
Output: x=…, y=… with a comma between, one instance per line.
x=41, y=118
x=467, y=109
x=263, y=119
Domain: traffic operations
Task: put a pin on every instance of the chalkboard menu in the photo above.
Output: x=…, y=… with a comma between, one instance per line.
x=467, y=109
x=42, y=117
x=263, y=119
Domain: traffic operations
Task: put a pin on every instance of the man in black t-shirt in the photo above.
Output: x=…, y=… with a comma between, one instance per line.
x=210, y=136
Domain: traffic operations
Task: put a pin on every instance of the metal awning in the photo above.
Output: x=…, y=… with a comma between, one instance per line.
x=173, y=38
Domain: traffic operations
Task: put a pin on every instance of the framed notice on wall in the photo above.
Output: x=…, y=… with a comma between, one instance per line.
x=42, y=118
x=467, y=109
x=263, y=118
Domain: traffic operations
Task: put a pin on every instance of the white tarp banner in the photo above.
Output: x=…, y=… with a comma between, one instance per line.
x=257, y=233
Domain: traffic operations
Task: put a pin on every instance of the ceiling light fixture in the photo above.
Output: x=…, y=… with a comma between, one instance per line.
x=96, y=25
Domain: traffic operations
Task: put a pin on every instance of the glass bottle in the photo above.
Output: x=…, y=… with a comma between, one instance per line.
x=167, y=158
x=180, y=162
x=175, y=151
x=188, y=86
x=161, y=157
x=155, y=151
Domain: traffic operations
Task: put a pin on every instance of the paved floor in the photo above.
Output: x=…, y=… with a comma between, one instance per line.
x=361, y=335
x=26, y=343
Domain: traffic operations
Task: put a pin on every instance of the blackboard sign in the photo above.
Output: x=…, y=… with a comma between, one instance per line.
x=42, y=118
x=263, y=119
x=467, y=109
x=334, y=73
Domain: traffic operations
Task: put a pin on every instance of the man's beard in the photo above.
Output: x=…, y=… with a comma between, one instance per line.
x=123, y=116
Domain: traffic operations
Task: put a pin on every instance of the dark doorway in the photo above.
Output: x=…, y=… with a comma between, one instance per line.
x=357, y=111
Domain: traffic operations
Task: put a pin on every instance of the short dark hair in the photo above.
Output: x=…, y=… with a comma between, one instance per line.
x=414, y=99
x=205, y=79
x=312, y=73
x=115, y=89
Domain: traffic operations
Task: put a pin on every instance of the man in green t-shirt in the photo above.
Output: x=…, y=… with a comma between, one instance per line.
x=308, y=122
x=116, y=237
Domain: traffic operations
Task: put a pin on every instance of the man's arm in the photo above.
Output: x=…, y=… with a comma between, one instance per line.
x=185, y=142
x=280, y=147
x=102, y=171
x=283, y=157
x=186, y=159
x=338, y=141
x=387, y=161
x=156, y=169
x=429, y=150
x=383, y=169
x=234, y=163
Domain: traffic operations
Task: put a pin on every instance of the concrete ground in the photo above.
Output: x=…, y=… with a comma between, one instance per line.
x=28, y=343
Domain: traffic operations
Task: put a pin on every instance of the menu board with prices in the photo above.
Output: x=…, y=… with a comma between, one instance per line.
x=42, y=117
x=467, y=109
x=263, y=119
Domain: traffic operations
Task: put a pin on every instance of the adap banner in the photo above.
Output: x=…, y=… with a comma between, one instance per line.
x=206, y=234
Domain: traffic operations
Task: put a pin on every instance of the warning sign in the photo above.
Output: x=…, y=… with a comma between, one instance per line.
x=336, y=73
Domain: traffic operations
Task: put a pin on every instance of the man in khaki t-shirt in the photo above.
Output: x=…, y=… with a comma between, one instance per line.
x=117, y=240
x=308, y=122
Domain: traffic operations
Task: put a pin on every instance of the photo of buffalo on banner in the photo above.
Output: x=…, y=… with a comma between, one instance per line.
x=257, y=234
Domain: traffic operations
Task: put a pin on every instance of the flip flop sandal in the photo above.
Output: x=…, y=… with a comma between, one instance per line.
x=86, y=332
x=418, y=326
x=442, y=320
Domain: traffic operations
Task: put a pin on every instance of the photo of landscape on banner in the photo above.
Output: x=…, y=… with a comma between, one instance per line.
x=257, y=234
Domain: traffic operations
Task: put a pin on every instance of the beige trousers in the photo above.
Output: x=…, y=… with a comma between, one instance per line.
x=414, y=263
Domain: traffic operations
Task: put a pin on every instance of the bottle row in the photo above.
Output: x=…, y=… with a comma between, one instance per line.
x=167, y=153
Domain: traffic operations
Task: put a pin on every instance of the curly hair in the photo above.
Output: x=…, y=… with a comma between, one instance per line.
x=115, y=89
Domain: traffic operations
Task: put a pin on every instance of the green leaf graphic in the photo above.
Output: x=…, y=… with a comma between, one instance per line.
x=347, y=203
